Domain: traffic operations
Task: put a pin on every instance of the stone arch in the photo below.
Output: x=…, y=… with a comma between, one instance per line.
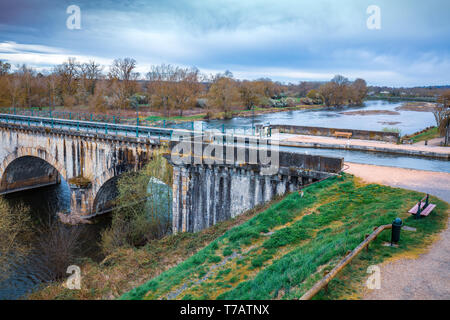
x=102, y=181
x=41, y=153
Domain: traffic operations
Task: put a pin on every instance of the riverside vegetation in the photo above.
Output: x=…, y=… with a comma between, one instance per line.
x=46, y=243
x=274, y=252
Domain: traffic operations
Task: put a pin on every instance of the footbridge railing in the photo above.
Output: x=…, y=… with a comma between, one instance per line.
x=88, y=126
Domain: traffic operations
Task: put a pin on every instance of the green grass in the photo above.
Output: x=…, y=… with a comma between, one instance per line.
x=306, y=233
x=176, y=118
x=428, y=134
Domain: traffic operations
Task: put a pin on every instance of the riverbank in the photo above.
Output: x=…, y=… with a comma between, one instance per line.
x=423, y=135
x=217, y=115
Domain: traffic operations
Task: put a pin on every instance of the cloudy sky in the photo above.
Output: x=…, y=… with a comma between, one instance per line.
x=284, y=40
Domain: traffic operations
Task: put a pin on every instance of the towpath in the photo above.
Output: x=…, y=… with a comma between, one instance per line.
x=428, y=276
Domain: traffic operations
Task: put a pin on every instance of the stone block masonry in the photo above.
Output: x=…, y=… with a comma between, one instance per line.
x=205, y=194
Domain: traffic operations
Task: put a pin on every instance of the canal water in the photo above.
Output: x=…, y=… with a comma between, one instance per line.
x=377, y=158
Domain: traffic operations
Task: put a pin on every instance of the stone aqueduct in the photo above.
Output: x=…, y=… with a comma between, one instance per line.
x=88, y=162
x=33, y=156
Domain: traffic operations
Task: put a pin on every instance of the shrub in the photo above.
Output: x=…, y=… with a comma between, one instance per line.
x=144, y=203
x=214, y=259
x=227, y=252
x=14, y=230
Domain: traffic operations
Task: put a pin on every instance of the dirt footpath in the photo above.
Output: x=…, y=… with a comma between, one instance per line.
x=427, y=277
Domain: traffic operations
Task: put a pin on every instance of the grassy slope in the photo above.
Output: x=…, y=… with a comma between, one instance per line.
x=426, y=135
x=283, y=251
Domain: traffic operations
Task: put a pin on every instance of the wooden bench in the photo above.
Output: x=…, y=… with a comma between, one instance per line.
x=340, y=134
x=424, y=211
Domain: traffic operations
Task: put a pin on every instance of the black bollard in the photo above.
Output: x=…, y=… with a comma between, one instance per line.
x=396, y=227
x=426, y=201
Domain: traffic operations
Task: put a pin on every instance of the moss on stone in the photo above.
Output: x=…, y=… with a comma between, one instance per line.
x=80, y=181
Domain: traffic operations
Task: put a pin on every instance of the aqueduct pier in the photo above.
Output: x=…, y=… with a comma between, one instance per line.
x=91, y=156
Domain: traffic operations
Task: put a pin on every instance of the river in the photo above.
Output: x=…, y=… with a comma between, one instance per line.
x=407, y=122
x=44, y=204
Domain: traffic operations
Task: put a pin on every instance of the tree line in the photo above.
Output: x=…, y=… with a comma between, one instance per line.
x=165, y=88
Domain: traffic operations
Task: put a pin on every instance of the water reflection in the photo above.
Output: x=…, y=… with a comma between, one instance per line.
x=409, y=121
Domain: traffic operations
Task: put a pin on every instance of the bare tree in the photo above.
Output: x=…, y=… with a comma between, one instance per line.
x=358, y=91
x=14, y=89
x=250, y=93
x=14, y=233
x=185, y=88
x=122, y=73
x=59, y=246
x=160, y=79
x=4, y=68
x=52, y=86
x=68, y=73
x=89, y=74
x=442, y=115
x=329, y=92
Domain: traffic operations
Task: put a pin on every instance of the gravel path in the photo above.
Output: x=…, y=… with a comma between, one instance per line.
x=427, y=277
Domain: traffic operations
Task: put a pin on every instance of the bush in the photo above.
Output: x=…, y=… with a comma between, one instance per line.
x=144, y=201
x=214, y=259
x=68, y=101
x=14, y=231
x=59, y=246
x=227, y=252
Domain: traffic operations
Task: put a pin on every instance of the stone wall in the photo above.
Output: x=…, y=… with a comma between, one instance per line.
x=205, y=194
x=329, y=132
